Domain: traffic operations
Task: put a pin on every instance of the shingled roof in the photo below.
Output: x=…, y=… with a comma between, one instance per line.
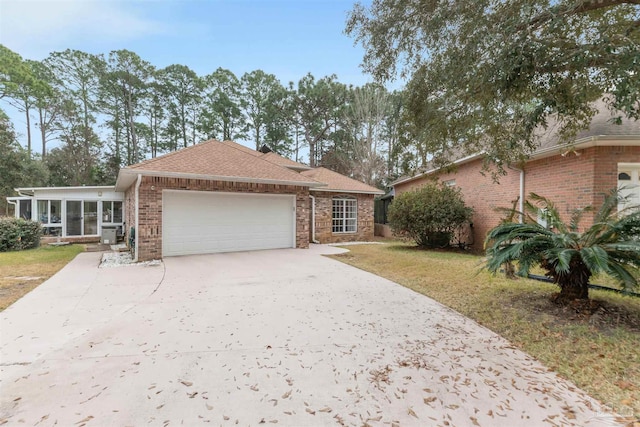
x=225, y=161
x=602, y=127
x=338, y=182
x=230, y=161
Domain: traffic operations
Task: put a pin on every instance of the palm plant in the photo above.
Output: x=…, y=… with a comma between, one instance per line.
x=611, y=245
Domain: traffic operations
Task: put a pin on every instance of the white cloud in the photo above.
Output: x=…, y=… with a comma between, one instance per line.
x=33, y=28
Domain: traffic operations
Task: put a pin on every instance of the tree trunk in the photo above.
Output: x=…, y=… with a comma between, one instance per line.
x=43, y=133
x=574, y=285
x=26, y=111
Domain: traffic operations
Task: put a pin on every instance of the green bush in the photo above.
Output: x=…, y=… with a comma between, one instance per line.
x=18, y=234
x=429, y=215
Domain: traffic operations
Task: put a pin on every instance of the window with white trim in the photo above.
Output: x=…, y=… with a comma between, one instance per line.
x=629, y=184
x=344, y=215
x=50, y=216
x=111, y=212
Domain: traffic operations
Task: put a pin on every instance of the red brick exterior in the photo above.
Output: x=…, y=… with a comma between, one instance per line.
x=324, y=216
x=571, y=181
x=149, y=233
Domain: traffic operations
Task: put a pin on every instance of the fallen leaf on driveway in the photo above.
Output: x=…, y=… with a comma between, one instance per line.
x=84, y=420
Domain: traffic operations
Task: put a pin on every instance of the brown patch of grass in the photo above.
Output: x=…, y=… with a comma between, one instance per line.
x=22, y=271
x=599, y=353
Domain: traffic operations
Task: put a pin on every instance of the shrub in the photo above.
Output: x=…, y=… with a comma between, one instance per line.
x=429, y=215
x=18, y=234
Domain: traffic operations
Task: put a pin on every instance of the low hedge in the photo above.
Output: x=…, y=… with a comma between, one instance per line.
x=17, y=234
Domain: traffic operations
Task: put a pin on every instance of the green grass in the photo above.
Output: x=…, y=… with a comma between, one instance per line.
x=600, y=353
x=22, y=271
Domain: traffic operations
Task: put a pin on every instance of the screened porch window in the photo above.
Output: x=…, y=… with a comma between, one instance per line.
x=345, y=215
x=49, y=215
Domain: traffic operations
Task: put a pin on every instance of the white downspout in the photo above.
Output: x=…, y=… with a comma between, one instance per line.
x=137, y=203
x=15, y=209
x=313, y=219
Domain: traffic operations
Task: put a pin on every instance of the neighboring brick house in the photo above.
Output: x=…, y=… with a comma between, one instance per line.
x=214, y=197
x=572, y=176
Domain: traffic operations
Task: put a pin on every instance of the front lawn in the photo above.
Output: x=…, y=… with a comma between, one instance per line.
x=600, y=354
x=22, y=271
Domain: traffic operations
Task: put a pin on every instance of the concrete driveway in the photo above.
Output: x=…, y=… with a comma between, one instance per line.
x=284, y=337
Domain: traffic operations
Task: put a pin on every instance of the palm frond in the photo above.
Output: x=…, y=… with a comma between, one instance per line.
x=595, y=258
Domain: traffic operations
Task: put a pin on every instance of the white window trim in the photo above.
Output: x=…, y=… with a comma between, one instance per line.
x=111, y=223
x=633, y=185
x=344, y=219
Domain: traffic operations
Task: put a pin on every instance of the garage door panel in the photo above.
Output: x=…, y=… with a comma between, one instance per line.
x=209, y=222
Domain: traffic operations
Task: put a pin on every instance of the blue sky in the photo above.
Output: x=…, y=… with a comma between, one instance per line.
x=285, y=37
x=288, y=38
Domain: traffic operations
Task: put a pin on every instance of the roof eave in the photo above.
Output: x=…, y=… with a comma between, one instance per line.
x=337, y=190
x=127, y=176
x=430, y=171
x=587, y=142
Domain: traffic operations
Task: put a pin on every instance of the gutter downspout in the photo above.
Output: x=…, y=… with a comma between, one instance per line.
x=521, y=197
x=137, y=204
x=313, y=219
x=15, y=209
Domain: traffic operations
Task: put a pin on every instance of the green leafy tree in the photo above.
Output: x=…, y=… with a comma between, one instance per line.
x=127, y=77
x=77, y=79
x=258, y=88
x=279, y=123
x=16, y=168
x=182, y=88
x=22, y=86
x=487, y=75
x=568, y=256
x=221, y=115
x=429, y=215
x=319, y=106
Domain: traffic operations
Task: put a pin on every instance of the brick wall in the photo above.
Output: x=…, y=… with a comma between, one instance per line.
x=324, y=215
x=149, y=233
x=571, y=181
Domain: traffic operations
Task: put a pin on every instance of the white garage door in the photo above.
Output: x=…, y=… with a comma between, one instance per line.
x=197, y=222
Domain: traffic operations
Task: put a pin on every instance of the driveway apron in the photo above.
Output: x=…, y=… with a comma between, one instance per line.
x=284, y=337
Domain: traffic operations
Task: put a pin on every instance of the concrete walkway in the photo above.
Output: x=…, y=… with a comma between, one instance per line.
x=284, y=337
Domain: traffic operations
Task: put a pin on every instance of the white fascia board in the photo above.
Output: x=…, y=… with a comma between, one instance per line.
x=133, y=173
x=331, y=190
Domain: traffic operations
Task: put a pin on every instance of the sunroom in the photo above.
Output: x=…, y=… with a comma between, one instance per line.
x=73, y=213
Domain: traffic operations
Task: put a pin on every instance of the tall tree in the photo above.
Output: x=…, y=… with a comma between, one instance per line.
x=365, y=118
x=182, y=88
x=257, y=89
x=77, y=79
x=221, y=115
x=128, y=76
x=318, y=102
x=156, y=113
x=16, y=169
x=280, y=119
x=22, y=87
x=47, y=103
x=498, y=70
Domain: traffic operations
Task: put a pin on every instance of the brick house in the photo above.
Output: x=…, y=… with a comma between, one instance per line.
x=572, y=175
x=211, y=197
